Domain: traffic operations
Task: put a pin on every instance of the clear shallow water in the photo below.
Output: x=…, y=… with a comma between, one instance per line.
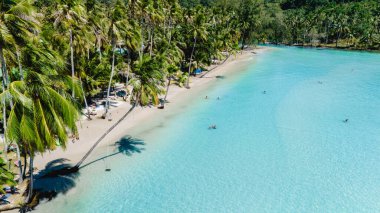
x=284, y=151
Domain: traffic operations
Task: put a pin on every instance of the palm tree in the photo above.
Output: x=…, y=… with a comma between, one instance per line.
x=18, y=23
x=198, y=31
x=148, y=81
x=99, y=22
x=173, y=56
x=42, y=114
x=117, y=29
x=66, y=18
x=147, y=85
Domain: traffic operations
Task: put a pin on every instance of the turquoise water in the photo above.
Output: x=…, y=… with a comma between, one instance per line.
x=287, y=150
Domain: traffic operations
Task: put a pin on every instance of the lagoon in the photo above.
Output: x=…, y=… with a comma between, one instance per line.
x=281, y=145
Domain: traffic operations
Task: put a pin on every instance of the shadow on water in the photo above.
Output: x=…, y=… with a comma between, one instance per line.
x=127, y=146
x=49, y=183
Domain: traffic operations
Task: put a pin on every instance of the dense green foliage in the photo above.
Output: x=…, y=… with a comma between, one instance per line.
x=55, y=55
x=6, y=177
x=351, y=24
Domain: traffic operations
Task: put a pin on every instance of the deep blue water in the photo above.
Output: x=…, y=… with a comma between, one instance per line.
x=285, y=150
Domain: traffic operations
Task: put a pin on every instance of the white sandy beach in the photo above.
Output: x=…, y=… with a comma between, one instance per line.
x=143, y=119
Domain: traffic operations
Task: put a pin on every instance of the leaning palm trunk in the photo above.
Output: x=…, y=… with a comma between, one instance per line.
x=110, y=82
x=191, y=60
x=77, y=166
x=72, y=60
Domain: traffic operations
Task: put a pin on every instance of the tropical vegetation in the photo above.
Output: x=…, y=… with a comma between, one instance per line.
x=56, y=55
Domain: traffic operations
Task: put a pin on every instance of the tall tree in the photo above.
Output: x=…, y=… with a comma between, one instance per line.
x=70, y=14
x=42, y=114
x=17, y=24
x=197, y=30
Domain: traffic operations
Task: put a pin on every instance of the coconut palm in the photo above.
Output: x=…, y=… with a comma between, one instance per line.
x=173, y=56
x=17, y=23
x=118, y=27
x=43, y=114
x=68, y=15
x=198, y=31
x=148, y=81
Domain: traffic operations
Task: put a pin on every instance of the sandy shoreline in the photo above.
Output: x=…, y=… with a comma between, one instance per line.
x=142, y=119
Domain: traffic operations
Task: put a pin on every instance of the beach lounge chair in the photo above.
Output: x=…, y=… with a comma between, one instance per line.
x=10, y=190
x=4, y=199
x=197, y=71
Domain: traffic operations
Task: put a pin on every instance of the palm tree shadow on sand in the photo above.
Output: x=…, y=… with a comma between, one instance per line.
x=49, y=184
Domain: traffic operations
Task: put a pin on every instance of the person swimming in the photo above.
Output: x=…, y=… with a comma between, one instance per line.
x=212, y=126
x=206, y=97
x=264, y=92
x=345, y=120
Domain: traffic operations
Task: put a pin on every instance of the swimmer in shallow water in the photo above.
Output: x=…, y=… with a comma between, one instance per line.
x=264, y=92
x=212, y=126
x=345, y=120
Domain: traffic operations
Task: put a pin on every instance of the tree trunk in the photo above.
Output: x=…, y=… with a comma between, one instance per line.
x=167, y=90
x=84, y=98
x=170, y=30
x=110, y=82
x=242, y=43
x=19, y=163
x=337, y=40
x=4, y=86
x=5, y=128
x=30, y=194
x=20, y=65
x=25, y=165
x=151, y=43
x=191, y=60
x=99, y=49
x=77, y=166
x=72, y=61
x=327, y=33
x=142, y=42
x=127, y=77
